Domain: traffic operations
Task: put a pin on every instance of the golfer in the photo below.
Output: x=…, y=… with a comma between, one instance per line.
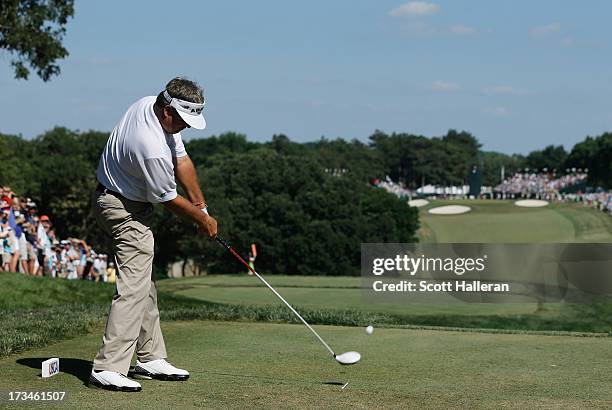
x=140, y=165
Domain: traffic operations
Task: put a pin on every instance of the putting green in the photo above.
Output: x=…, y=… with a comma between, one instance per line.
x=503, y=222
x=263, y=365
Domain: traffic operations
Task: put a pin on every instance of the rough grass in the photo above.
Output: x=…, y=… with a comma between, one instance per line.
x=23, y=329
x=19, y=291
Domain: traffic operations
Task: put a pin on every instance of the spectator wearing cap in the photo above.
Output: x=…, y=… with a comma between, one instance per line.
x=82, y=251
x=88, y=273
x=24, y=252
x=103, y=267
x=32, y=211
x=30, y=232
x=111, y=272
x=75, y=259
x=7, y=239
x=5, y=203
x=95, y=266
x=4, y=233
x=64, y=259
x=54, y=260
x=43, y=245
x=6, y=200
x=16, y=207
x=15, y=234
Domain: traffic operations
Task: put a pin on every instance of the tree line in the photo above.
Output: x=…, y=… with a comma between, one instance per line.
x=280, y=194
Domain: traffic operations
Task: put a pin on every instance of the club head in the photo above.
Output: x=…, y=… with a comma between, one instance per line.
x=348, y=358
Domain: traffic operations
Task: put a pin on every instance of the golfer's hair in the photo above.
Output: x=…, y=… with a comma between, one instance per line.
x=182, y=89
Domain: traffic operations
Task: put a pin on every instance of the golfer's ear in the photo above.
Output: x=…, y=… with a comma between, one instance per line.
x=168, y=111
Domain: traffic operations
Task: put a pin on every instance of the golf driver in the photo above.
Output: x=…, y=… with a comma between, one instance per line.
x=344, y=358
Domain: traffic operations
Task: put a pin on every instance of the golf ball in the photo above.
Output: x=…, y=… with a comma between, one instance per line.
x=369, y=329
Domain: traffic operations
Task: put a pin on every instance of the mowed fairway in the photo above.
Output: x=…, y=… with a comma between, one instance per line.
x=264, y=365
x=316, y=292
x=503, y=222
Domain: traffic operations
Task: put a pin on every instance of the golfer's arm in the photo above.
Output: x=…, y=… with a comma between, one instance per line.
x=186, y=175
x=182, y=207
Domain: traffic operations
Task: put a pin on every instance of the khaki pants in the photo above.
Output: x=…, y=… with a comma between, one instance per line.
x=133, y=321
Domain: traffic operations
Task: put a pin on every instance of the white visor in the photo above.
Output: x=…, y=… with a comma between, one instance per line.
x=189, y=111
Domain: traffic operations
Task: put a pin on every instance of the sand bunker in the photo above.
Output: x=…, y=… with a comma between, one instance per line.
x=450, y=210
x=531, y=203
x=418, y=202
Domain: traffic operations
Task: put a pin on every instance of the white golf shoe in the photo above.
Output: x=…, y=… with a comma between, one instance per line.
x=158, y=369
x=113, y=381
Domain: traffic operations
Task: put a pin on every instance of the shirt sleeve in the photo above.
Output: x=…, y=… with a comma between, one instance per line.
x=178, y=150
x=159, y=176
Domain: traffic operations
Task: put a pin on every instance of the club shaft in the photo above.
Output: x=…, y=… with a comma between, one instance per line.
x=237, y=255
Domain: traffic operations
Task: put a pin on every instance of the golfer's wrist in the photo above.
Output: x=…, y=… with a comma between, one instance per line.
x=201, y=204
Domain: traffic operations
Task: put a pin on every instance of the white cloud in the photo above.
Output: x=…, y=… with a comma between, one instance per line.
x=543, y=31
x=415, y=8
x=568, y=41
x=462, y=30
x=505, y=89
x=497, y=111
x=444, y=87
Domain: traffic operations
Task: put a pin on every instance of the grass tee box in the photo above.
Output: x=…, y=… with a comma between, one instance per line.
x=264, y=365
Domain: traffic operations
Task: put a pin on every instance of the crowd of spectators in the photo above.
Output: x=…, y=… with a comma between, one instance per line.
x=599, y=200
x=540, y=183
x=29, y=244
x=394, y=188
x=562, y=189
x=526, y=185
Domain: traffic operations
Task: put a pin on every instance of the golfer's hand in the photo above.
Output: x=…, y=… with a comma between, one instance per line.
x=209, y=226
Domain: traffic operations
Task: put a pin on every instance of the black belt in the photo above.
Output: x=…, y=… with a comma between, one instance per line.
x=102, y=188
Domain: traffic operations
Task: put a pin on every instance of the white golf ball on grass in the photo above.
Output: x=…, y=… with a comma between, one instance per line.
x=369, y=329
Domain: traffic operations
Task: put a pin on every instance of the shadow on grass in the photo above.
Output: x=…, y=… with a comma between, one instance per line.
x=79, y=368
x=272, y=380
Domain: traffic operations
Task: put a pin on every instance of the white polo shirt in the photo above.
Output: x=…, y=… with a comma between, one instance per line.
x=137, y=160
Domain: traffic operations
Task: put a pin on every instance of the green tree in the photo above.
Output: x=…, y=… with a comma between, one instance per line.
x=596, y=155
x=16, y=166
x=33, y=30
x=359, y=159
x=416, y=160
x=67, y=175
x=203, y=151
x=303, y=220
x=462, y=153
x=552, y=157
x=582, y=154
x=492, y=163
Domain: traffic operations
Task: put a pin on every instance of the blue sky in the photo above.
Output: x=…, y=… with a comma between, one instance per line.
x=519, y=75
